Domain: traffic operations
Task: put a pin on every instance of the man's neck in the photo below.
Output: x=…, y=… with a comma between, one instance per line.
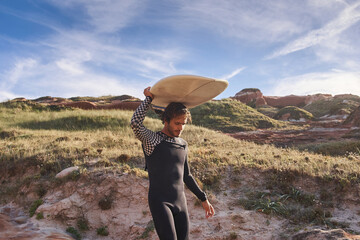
x=164, y=131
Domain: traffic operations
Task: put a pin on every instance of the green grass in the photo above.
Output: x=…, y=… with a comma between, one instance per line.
x=268, y=110
x=232, y=116
x=102, y=231
x=74, y=233
x=34, y=206
x=334, y=148
x=103, y=98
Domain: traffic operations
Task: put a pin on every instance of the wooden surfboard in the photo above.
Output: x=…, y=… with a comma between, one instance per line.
x=190, y=90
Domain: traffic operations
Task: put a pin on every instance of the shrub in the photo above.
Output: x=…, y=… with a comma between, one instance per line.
x=74, y=233
x=34, y=206
x=40, y=216
x=105, y=203
x=82, y=224
x=149, y=228
x=102, y=231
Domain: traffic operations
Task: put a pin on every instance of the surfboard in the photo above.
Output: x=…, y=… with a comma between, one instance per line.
x=190, y=90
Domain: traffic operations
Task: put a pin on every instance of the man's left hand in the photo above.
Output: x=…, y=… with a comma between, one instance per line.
x=209, y=209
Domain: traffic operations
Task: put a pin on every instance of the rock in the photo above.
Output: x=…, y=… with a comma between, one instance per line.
x=318, y=234
x=21, y=228
x=255, y=96
x=21, y=219
x=280, y=102
x=66, y=172
x=316, y=97
x=250, y=96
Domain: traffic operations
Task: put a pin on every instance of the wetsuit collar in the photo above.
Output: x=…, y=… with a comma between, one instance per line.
x=166, y=136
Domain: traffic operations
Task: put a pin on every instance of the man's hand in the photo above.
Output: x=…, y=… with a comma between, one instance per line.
x=148, y=93
x=209, y=209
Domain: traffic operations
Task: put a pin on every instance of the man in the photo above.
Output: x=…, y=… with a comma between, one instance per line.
x=166, y=160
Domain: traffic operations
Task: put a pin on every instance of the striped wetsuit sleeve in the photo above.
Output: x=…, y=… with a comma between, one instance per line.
x=148, y=138
x=191, y=183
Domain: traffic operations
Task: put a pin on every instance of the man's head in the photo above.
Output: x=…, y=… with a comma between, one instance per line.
x=175, y=116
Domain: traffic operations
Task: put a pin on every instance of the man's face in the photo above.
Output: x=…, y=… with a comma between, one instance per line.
x=176, y=125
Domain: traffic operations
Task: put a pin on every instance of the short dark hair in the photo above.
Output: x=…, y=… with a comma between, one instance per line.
x=175, y=109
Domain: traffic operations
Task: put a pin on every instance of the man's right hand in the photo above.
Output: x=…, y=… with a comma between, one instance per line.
x=148, y=93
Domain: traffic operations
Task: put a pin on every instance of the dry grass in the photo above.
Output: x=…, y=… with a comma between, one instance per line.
x=43, y=137
x=34, y=146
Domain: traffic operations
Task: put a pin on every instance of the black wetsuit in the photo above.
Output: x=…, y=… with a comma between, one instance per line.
x=166, y=160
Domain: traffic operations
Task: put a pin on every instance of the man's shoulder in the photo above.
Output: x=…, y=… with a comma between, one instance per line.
x=182, y=141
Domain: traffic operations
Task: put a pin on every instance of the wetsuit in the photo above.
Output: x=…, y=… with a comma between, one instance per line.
x=166, y=161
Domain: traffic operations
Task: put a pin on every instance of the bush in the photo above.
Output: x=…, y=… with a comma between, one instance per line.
x=102, y=231
x=74, y=233
x=34, y=206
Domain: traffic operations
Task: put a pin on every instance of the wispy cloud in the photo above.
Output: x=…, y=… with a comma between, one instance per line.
x=233, y=73
x=335, y=82
x=86, y=62
x=19, y=70
x=106, y=16
x=4, y=96
x=348, y=17
x=261, y=22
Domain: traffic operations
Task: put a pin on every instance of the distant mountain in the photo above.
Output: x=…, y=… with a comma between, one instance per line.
x=319, y=105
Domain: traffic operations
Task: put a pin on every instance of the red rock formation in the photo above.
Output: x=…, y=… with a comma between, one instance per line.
x=316, y=97
x=20, y=99
x=250, y=96
x=81, y=104
x=280, y=102
x=255, y=96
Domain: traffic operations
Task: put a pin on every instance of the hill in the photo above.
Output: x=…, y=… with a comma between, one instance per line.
x=264, y=191
x=338, y=105
x=232, y=116
x=293, y=113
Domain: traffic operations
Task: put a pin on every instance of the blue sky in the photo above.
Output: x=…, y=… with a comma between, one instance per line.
x=67, y=48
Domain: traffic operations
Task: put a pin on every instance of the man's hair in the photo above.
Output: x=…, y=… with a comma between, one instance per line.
x=175, y=109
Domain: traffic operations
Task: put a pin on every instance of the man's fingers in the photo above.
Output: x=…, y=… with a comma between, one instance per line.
x=210, y=212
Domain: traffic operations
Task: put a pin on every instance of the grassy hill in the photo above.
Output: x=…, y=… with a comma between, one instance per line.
x=338, y=104
x=232, y=116
x=294, y=113
x=36, y=145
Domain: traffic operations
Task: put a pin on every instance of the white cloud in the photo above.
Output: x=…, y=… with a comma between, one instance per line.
x=73, y=62
x=348, y=17
x=258, y=21
x=335, y=82
x=4, y=96
x=69, y=67
x=233, y=73
x=49, y=79
x=11, y=77
x=107, y=16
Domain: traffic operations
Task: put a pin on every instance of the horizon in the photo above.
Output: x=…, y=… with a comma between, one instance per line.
x=89, y=48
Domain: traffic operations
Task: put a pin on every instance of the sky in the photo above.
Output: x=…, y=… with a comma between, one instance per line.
x=68, y=48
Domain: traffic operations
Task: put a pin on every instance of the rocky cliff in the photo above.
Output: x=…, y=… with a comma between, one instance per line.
x=255, y=96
